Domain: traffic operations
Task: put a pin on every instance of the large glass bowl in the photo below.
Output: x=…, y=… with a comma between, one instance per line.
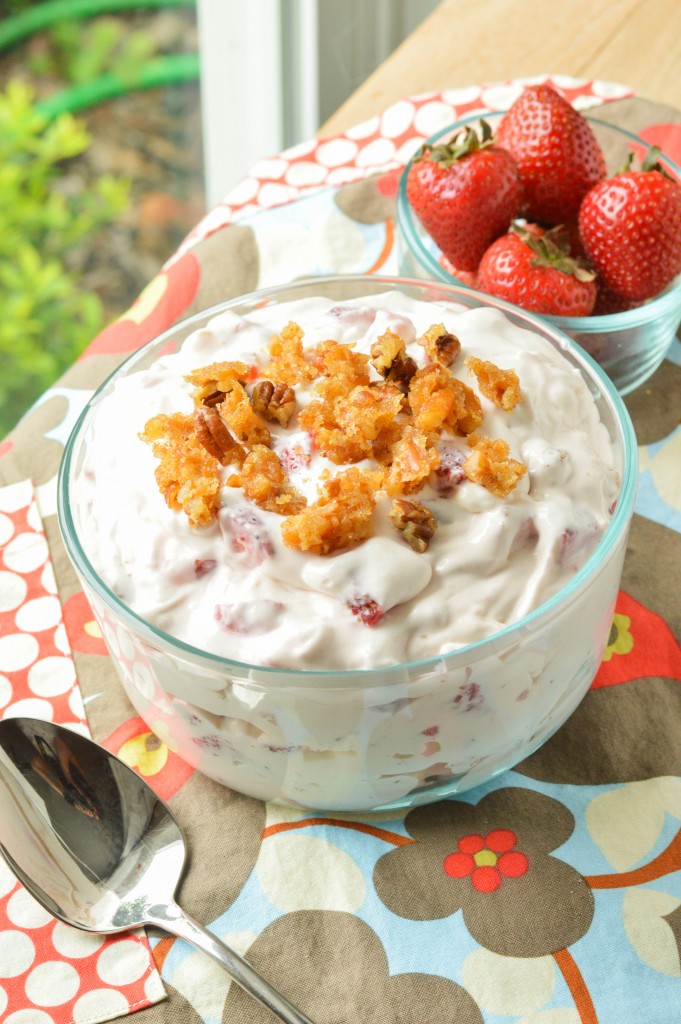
x=629, y=345
x=383, y=738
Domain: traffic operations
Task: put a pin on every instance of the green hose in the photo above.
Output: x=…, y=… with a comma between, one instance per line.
x=41, y=16
x=170, y=70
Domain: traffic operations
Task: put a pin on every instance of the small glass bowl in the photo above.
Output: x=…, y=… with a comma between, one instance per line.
x=385, y=738
x=630, y=345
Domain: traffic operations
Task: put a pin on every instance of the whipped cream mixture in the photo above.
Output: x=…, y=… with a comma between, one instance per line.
x=235, y=589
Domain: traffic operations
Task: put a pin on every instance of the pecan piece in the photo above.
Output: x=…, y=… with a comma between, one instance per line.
x=416, y=523
x=274, y=401
x=216, y=438
x=441, y=346
x=389, y=358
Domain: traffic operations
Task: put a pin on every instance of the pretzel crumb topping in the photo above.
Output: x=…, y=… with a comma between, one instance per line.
x=394, y=423
x=490, y=465
x=501, y=386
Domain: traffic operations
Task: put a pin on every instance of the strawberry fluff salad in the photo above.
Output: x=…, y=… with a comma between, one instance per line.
x=231, y=497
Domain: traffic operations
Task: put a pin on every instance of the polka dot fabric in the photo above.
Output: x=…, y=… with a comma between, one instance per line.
x=382, y=143
x=50, y=973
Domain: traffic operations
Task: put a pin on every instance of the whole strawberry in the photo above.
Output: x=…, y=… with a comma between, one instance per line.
x=465, y=193
x=535, y=273
x=556, y=152
x=630, y=226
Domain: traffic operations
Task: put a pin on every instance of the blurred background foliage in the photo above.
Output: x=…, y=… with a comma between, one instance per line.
x=46, y=318
x=90, y=205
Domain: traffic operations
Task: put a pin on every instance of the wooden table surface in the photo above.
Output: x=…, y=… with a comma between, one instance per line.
x=635, y=42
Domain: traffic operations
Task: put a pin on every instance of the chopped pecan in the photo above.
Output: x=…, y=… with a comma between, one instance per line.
x=501, y=386
x=389, y=358
x=441, y=346
x=216, y=438
x=274, y=401
x=416, y=523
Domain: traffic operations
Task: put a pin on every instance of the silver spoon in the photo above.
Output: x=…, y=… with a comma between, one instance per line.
x=92, y=843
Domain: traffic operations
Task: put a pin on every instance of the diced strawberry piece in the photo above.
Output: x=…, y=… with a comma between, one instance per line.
x=249, y=618
x=294, y=458
x=574, y=542
x=450, y=472
x=202, y=566
x=248, y=536
x=357, y=316
x=364, y=608
x=469, y=697
x=527, y=536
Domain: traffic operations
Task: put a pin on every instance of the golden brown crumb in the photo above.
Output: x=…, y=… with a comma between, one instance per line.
x=416, y=523
x=440, y=400
x=265, y=482
x=441, y=346
x=367, y=411
x=501, y=386
x=341, y=362
x=239, y=415
x=212, y=382
x=341, y=516
x=413, y=460
x=187, y=475
x=490, y=465
x=274, y=401
x=346, y=420
x=290, y=365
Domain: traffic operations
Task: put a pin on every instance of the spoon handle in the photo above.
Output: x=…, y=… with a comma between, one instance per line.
x=174, y=920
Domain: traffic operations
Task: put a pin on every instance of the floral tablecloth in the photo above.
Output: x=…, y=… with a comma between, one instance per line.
x=550, y=896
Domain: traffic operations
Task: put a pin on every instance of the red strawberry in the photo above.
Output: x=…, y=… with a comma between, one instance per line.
x=608, y=301
x=365, y=609
x=535, y=273
x=465, y=193
x=466, y=277
x=556, y=152
x=630, y=226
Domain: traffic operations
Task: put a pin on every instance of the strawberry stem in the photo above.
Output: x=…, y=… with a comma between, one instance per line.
x=462, y=144
x=650, y=162
x=549, y=253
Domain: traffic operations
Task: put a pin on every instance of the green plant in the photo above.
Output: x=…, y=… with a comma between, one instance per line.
x=81, y=52
x=46, y=318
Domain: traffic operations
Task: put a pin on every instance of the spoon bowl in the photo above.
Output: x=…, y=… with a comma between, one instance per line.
x=92, y=843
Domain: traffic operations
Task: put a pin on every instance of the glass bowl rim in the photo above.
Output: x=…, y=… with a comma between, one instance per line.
x=171, y=645
x=658, y=307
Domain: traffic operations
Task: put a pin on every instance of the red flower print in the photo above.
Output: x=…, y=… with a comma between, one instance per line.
x=487, y=860
x=493, y=862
